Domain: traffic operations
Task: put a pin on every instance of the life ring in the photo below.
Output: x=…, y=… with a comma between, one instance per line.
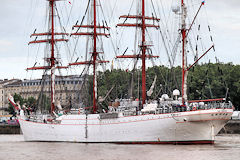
x=194, y=108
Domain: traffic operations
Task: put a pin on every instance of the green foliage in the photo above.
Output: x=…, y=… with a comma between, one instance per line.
x=117, y=78
x=44, y=103
x=31, y=102
x=204, y=81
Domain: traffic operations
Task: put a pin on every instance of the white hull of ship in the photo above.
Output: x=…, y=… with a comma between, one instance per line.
x=182, y=127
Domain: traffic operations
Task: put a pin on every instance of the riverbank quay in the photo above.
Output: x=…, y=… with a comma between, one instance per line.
x=232, y=127
x=9, y=129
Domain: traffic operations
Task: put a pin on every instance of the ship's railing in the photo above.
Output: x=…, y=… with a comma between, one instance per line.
x=41, y=118
x=171, y=107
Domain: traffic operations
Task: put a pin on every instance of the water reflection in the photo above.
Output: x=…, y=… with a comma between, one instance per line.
x=13, y=147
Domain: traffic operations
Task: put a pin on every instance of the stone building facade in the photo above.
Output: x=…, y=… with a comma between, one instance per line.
x=67, y=90
x=8, y=87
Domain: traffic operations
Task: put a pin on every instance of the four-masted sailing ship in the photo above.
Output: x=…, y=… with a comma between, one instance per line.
x=168, y=120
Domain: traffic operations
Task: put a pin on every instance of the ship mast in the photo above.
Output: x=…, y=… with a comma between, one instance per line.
x=94, y=56
x=143, y=45
x=52, y=41
x=184, y=57
x=185, y=33
x=143, y=54
x=95, y=53
x=52, y=59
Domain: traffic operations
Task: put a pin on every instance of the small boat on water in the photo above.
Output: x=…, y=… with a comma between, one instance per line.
x=163, y=121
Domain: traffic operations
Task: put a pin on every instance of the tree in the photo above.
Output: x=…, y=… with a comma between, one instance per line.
x=205, y=81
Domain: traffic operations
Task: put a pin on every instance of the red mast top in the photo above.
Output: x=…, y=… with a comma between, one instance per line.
x=143, y=45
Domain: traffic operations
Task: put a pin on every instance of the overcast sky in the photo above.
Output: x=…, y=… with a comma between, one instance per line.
x=16, y=17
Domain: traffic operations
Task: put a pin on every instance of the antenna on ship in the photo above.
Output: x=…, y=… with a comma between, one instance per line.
x=52, y=41
x=143, y=46
x=94, y=53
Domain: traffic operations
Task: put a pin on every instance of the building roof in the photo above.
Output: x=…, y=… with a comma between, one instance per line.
x=11, y=82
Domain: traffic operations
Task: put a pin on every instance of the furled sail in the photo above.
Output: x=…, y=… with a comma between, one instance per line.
x=150, y=91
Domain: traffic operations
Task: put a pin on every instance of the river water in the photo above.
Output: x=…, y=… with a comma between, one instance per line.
x=13, y=147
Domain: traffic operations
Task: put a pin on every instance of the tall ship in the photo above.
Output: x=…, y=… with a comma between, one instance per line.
x=164, y=120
